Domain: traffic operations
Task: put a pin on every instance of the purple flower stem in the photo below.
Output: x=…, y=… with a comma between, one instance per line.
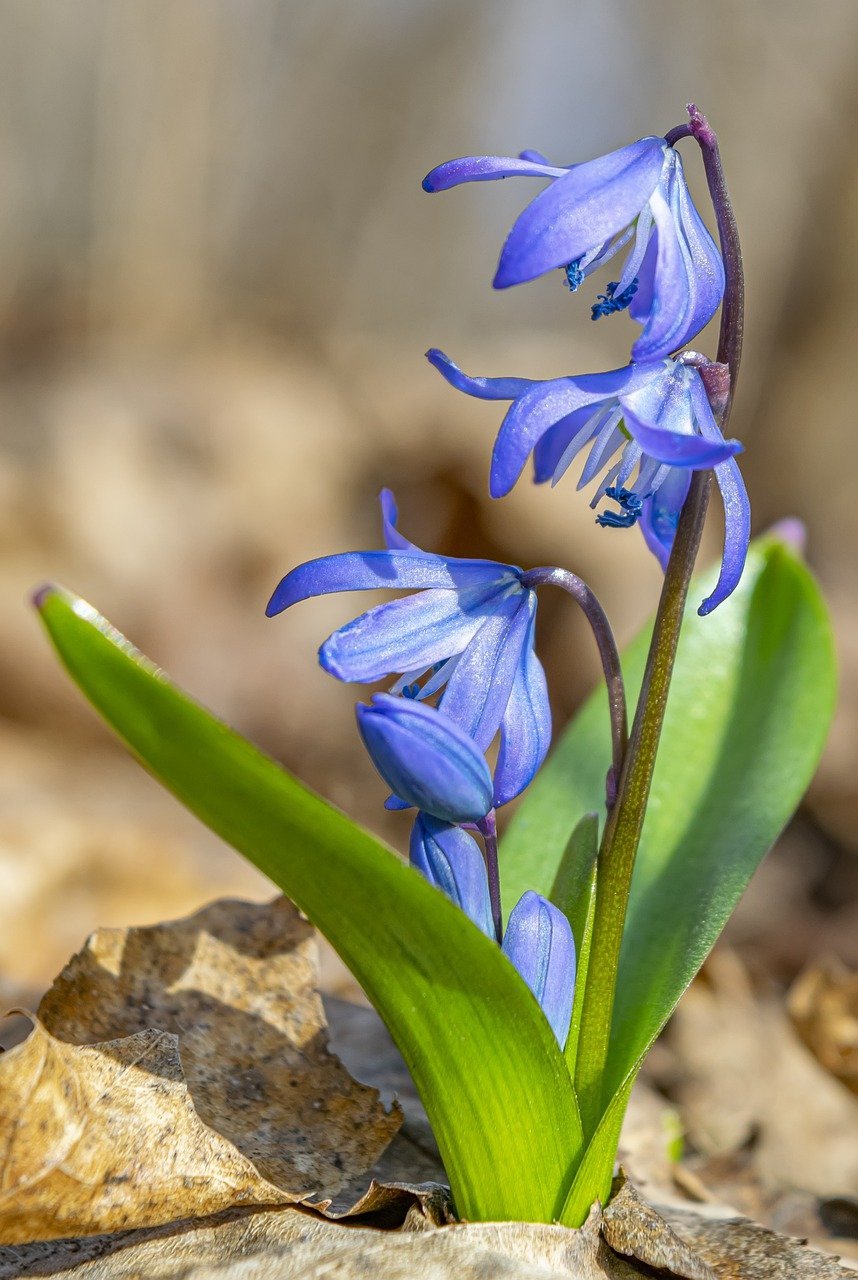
x=625, y=820
x=487, y=828
x=608, y=653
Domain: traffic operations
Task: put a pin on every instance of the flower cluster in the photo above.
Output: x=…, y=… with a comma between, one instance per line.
x=457, y=653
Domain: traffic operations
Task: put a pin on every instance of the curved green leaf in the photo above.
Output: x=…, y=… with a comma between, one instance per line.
x=749, y=708
x=488, y=1069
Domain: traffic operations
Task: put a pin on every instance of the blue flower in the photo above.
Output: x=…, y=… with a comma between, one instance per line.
x=470, y=627
x=426, y=759
x=539, y=942
x=450, y=859
x=672, y=280
x=652, y=420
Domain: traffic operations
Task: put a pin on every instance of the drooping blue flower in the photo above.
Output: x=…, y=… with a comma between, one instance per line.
x=672, y=279
x=652, y=421
x=539, y=942
x=450, y=859
x=426, y=759
x=467, y=633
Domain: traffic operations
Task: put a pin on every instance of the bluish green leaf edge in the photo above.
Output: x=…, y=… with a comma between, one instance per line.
x=483, y=1058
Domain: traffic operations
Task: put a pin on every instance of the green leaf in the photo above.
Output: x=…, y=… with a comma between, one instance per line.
x=574, y=892
x=483, y=1058
x=749, y=708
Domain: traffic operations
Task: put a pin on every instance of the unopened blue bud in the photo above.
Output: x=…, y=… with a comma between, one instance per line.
x=426, y=759
x=450, y=859
x=539, y=942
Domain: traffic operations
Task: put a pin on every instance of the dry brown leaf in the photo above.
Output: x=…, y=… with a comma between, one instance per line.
x=237, y=983
x=633, y=1228
x=823, y=1006
x=103, y=1137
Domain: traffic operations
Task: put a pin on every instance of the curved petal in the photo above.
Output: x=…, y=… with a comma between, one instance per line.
x=482, y=388
x=478, y=690
x=450, y=859
x=585, y=207
x=737, y=533
x=539, y=942
x=486, y=168
x=660, y=513
x=545, y=404
x=425, y=758
x=536, y=156
x=393, y=539
x=396, y=570
x=662, y=417
x=526, y=725
x=406, y=635
x=548, y=450
x=688, y=274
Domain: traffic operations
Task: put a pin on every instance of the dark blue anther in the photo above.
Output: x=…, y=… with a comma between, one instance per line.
x=610, y=301
x=574, y=274
x=632, y=507
x=411, y=690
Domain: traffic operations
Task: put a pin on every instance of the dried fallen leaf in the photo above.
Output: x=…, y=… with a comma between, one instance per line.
x=105, y=1136
x=237, y=983
x=176, y=1070
x=633, y=1228
x=823, y=1006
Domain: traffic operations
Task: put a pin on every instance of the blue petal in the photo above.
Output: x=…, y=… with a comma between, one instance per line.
x=409, y=634
x=661, y=513
x=687, y=281
x=545, y=404
x=364, y=570
x=526, y=726
x=539, y=942
x=737, y=533
x=479, y=688
x=548, y=451
x=482, y=388
x=393, y=539
x=486, y=168
x=582, y=209
x=662, y=415
x=450, y=859
x=425, y=759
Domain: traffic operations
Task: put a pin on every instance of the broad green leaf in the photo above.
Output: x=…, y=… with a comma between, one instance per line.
x=574, y=892
x=595, y=1173
x=488, y=1069
x=749, y=708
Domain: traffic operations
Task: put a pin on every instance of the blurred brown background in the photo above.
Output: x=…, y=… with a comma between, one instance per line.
x=218, y=274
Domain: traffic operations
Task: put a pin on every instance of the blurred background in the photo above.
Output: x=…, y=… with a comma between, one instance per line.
x=218, y=276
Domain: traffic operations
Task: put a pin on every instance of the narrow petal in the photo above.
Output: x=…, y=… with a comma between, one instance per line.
x=548, y=451
x=364, y=570
x=663, y=415
x=450, y=859
x=526, y=725
x=486, y=168
x=482, y=388
x=539, y=942
x=545, y=404
x=585, y=207
x=687, y=282
x=737, y=533
x=393, y=539
x=404, y=635
x=479, y=688
x=425, y=759
x=661, y=512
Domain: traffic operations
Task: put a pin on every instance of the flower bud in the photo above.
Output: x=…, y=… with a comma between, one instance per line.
x=539, y=942
x=426, y=759
x=450, y=859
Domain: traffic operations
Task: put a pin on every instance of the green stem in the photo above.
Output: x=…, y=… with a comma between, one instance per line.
x=625, y=820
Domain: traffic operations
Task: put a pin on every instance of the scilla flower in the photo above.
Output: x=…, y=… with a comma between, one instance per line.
x=450, y=859
x=539, y=942
x=468, y=631
x=426, y=759
x=633, y=200
x=649, y=421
